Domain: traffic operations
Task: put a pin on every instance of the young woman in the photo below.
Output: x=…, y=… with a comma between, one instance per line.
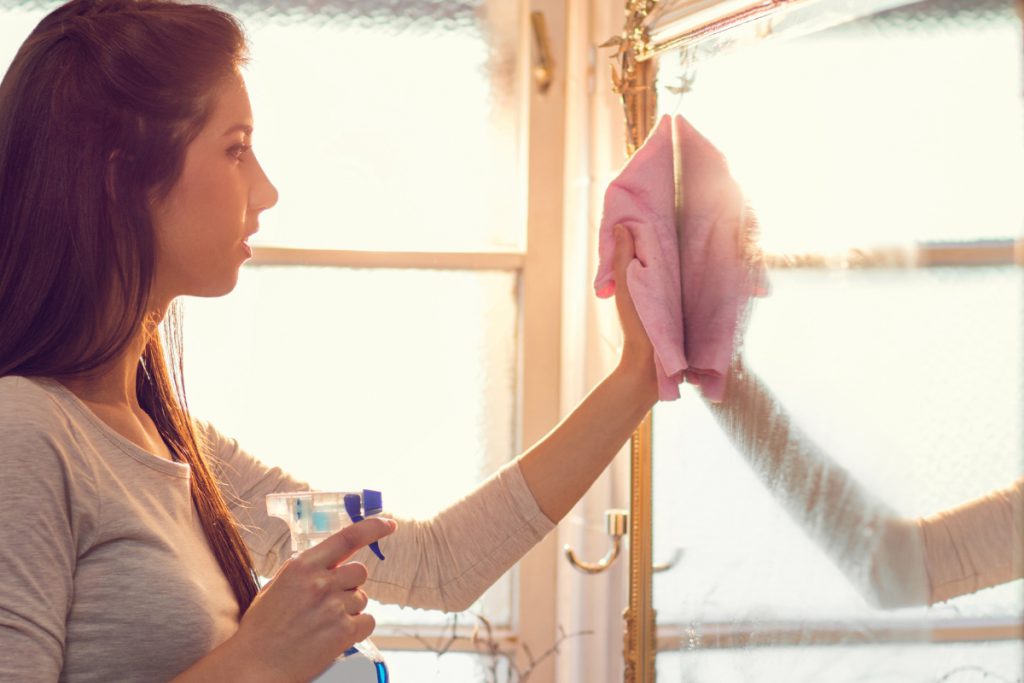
x=130, y=532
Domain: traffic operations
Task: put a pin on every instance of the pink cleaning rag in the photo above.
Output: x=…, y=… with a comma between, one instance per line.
x=691, y=286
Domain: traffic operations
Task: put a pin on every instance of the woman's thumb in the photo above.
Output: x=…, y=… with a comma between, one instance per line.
x=624, y=249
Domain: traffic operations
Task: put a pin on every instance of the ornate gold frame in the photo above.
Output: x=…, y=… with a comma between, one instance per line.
x=633, y=80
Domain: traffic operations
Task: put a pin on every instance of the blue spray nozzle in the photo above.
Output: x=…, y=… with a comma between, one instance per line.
x=353, y=506
x=372, y=502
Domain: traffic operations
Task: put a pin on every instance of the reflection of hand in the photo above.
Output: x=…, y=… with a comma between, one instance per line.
x=313, y=609
x=637, y=351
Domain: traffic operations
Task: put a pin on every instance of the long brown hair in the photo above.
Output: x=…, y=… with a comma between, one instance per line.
x=96, y=112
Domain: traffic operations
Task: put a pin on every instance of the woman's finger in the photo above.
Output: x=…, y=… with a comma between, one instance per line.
x=624, y=252
x=355, y=601
x=338, y=547
x=348, y=576
x=362, y=626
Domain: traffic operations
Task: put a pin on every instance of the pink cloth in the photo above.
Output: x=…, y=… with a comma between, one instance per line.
x=696, y=330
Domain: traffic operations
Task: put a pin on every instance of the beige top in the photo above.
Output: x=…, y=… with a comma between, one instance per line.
x=105, y=574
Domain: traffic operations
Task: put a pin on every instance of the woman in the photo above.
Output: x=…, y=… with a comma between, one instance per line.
x=129, y=532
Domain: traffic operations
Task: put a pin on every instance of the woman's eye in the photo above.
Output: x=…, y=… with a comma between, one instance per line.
x=238, y=151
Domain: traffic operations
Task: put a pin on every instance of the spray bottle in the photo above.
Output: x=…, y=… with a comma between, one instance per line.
x=312, y=516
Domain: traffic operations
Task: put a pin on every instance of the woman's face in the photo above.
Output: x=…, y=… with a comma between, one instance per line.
x=203, y=224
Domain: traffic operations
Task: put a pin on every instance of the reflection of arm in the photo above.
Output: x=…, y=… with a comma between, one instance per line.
x=880, y=552
x=977, y=544
x=895, y=561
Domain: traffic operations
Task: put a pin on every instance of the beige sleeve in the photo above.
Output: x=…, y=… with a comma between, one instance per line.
x=975, y=545
x=447, y=562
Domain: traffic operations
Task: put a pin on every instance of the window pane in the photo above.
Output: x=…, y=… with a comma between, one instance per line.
x=390, y=126
x=402, y=381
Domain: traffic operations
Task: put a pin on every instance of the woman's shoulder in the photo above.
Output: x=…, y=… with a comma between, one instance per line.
x=35, y=431
x=211, y=441
x=26, y=404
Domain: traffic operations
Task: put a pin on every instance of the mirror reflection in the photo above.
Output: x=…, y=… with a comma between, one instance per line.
x=874, y=416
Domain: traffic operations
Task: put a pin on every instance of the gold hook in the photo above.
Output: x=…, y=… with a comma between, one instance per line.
x=543, y=73
x=616, y=524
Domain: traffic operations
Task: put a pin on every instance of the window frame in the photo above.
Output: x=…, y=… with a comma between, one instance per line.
x=539, y=268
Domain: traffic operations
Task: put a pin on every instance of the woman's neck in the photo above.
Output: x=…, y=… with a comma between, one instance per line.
x=113, y=383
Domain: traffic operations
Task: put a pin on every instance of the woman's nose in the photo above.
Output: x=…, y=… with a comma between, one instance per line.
x=263, y=194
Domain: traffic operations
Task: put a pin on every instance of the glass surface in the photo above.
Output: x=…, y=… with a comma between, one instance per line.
x=908, y=379
x=385, y=126
x=392, y=126
x=878, y=132
x=402, y=381
x=889, y=131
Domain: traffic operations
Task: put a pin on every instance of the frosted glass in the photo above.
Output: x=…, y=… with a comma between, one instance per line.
x=402, y=381
x=392, y=126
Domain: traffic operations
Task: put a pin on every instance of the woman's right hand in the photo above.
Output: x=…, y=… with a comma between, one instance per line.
x=312, y=611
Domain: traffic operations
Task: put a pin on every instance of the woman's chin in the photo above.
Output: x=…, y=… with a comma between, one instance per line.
x=214, y=288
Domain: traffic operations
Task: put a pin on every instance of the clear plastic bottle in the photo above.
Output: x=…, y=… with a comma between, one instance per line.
x=312, y=516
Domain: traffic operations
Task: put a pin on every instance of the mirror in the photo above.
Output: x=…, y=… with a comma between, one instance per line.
x=884, y=156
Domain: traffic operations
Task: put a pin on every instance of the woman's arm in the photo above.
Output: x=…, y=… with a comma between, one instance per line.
x=564, y=464
x=447, y=562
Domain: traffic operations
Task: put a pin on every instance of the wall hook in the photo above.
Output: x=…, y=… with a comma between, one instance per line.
x=616, y=524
